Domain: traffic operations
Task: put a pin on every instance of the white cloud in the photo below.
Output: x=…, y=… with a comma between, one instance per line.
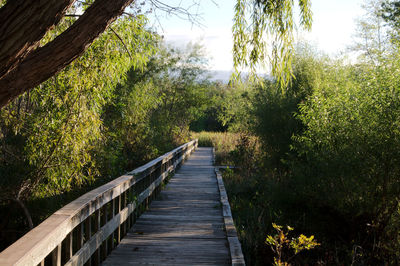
x=217, y=42
x=333, y=26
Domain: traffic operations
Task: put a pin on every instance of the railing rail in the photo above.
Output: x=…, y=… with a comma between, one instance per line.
x=86, y=230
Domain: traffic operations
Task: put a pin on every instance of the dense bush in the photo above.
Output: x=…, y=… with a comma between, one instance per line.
x=329, y=163
x=151, y=111
x=350, y=154
x=274, y=110
x=258, y=190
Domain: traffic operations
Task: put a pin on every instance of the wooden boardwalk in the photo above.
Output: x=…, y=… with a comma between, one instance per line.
x=183, y=226
x=190, y=223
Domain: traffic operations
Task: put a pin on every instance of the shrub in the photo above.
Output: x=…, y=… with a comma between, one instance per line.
x=350, y=154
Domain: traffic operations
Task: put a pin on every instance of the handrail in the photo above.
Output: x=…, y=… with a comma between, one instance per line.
x=87, y=229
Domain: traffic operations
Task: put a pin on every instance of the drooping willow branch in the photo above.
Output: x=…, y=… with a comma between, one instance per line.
x=263, y=31
x=122, y=41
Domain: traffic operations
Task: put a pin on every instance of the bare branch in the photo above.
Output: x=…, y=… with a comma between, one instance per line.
x=185, y=13
x=122, y=41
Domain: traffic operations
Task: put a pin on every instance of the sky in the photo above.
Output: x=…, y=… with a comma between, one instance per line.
x=332, y=31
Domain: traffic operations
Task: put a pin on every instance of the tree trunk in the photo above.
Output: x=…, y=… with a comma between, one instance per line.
x=44, y=62
x=23, y=24
x=26, y=212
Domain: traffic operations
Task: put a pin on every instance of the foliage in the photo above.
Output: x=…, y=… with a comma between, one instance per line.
x=246, y=155
x=151, y=112
x=273, y=111
x=223, y=142
x=261, y=24
x=329, y=162
x=350, y=149
x=236, y=104
x=391, y=13
x=118, y=106
x=49, y=136
x=183, y=90
x=128, y=137
x=57, y=125
x=372, y=41
x=210, y=120
x=281, y=244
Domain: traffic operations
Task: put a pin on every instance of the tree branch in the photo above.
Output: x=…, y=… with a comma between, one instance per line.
x=26, y=212
x=180, y=11
x=23, y=24
x=122, y=41
x=46, y=61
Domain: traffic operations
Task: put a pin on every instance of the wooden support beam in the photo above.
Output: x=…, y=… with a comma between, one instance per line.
x=56, y=256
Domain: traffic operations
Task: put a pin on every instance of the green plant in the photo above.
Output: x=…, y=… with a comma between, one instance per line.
x=286, y=248
x=223, y=142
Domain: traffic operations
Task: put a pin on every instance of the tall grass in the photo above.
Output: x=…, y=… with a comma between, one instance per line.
x=223, y=142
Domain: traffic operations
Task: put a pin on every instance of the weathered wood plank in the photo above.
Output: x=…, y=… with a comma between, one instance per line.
x=153, y=217
x=235, y=248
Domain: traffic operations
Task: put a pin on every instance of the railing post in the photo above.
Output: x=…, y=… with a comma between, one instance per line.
x=68, y=247
x=97, y=223
x=81, y=235
x=128, y=197
x=104, y=245
x=119, y=226
x=124, y=224
x=88, y=234
x=56, y=256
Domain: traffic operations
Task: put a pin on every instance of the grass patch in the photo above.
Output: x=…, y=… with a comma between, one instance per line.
x=223, y=142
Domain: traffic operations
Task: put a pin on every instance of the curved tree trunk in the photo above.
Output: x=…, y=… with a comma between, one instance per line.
x=23, y=24
x=26, y=212
x=42, y=63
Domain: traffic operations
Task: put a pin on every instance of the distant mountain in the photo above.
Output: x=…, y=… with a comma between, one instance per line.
x=225, y=75
x=220, y=75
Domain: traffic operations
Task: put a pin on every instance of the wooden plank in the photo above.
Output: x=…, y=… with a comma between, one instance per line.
x=236, y=251
x=171, y=217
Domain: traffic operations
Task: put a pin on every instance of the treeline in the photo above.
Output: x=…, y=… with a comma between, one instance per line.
x=128, y=99
x=323, y=154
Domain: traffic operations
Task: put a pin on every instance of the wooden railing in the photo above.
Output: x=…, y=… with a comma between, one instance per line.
x=85, y=231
